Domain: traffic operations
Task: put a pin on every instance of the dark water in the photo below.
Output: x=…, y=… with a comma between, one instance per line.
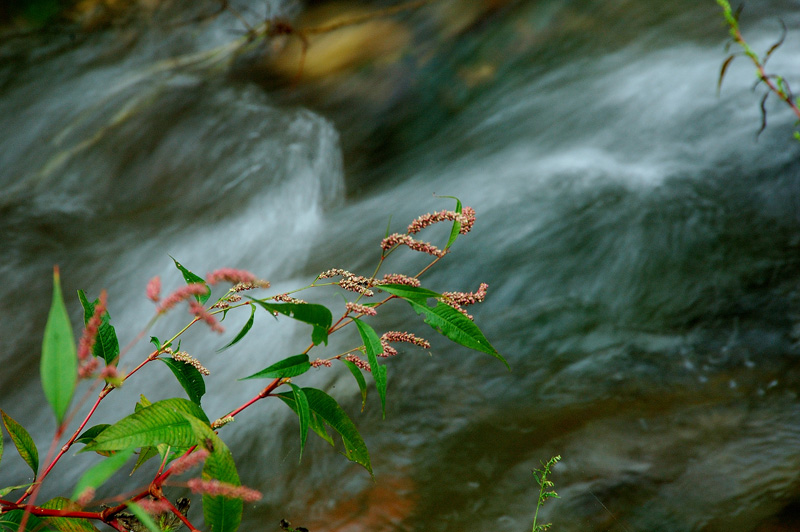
x=640, y=245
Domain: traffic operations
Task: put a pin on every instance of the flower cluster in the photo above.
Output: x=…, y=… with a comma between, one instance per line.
x=286, y=298
x=397, y=239
x=355, y=359
x=399, y=278
x=155, y=506
x=465, y=218
x=221, y=422
x=241, y=287
x=215, y=488
x=230, y=275
x=361, y=309
x=185, y=463
x=320, y=362
x=458, y=300
x=397, y=336
x=183, y=356
x=358, y=283
x=334, y=272
x=86, y=344
x=182, y=294
x=201, y=313
x=154, y=289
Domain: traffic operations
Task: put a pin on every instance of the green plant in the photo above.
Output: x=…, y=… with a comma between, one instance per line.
x=178, y=430
x=775, y=84
x=545, y=491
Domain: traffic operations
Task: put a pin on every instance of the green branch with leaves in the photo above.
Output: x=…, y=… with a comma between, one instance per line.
x=775, y=84
x=178, y=431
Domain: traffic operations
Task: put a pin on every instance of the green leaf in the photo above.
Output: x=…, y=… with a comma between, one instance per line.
x=315, y=422
x=96, y=475
x=10, y=522
x=324, y=406
x=374, y=348
x=190, y=278
x=67, y=524
x=362, y=383
x=59, y=366
x=8, y=489
x=410, y=292
x=22, y=441
x=317, y=315
x=222, y=514
x=288, y=367
x=144, y=518
x=91, y=433
x=145, y=454
x=303, y=413
x=106, y=346
x=161, y=422
x=156, y=342
x=189, y=378
x=456, y=225
x=455, y=326
x=244, y=331
x=1, y=445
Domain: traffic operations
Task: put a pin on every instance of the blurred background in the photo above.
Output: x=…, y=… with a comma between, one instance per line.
x=639, y=239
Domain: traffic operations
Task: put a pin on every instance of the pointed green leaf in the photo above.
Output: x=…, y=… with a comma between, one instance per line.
x=161, y=422
x=91, y=433
x=96, y=475
x=456, y=225
x=288, y=367
x=190, y=278
x=362, y=383
x=303, y=413
x=374, y=348
x=455, y=326
x=315, y=422
x=189, y=378
x=22, y=441
x=222, y=514
x=244, y=331
x=106, y=346
x=317, y=315
x=145, y=454
x=8, y=489
x=144, y=518
x=410, y=292
x=156, y=342
x=67, y=524
x=329, y=411
x=59, y=365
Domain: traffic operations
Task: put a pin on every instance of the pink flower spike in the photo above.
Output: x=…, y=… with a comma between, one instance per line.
x=85, y=497
x=399, y=278
x=361, y=309
x=155, y=506
x=185, y=463
x=89, y=336
x=215, y=488
x=181, y=294
x=397, y=336
x=199, y=311
x=154, y=289
x=230, y=275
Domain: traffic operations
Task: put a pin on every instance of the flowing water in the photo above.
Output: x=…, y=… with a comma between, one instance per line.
x=639, y=242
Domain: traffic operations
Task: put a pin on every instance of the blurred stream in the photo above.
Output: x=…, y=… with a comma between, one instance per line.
x=641, y=247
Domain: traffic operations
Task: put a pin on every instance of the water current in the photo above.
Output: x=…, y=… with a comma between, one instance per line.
x=640, y=242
